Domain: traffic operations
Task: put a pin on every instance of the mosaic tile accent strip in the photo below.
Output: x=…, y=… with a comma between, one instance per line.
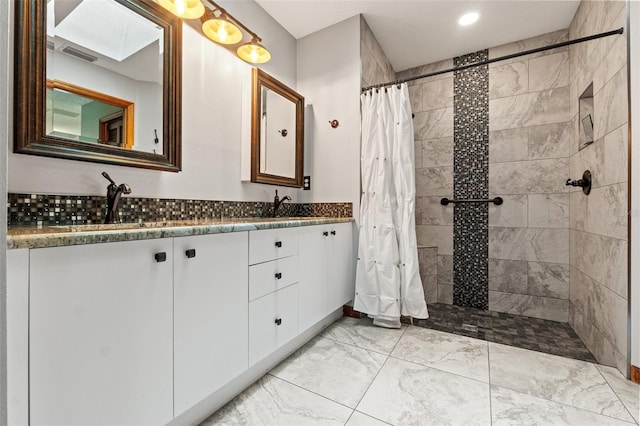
x=471, y=180
x=47, y=210
x=557, y=338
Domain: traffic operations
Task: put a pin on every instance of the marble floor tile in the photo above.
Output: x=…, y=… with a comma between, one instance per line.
x=362, y=333
x=332, y=369
x=572, y=382
x=627, y=391
x=272, y=401
x=359, y=419
x=405, y=393
x=445, y=351
x=510, y=408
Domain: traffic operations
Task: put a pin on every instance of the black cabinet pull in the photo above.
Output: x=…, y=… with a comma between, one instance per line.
x=333, y=232
x=190, y=253
x=160, y=257
x=278, y=275
x=278, y=243
x=278, y=321
x=325, y=233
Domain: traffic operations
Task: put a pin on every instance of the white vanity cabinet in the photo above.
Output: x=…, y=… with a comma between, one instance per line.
x=326, y=271
x=163, y=330
x=100, y=334
x=210, y=314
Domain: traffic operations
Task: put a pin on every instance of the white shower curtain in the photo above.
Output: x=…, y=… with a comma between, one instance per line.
x=388, y=280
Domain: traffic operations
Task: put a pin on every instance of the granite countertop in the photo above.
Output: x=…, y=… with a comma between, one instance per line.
x=67, y=235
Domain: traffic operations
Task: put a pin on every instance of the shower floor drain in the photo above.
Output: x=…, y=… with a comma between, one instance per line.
x=470, y=327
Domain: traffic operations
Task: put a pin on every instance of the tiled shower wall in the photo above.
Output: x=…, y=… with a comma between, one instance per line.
x=529, y=139
x=554, y=253
x=598, y=223
x=528, y=166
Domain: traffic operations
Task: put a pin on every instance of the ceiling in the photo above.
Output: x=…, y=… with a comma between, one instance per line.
x=418, y=32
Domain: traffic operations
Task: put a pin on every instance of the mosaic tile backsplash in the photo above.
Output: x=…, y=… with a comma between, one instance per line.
x=47, y=210
x=471, y=180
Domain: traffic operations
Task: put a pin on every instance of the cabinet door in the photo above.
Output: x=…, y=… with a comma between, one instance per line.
x=18, y=337
x=273, y=321
x=313, y=275
x=341, y=281
x=101, y=334
x=210, y=309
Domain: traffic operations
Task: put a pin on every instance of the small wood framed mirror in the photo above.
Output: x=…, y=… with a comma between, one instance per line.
x=277, y=132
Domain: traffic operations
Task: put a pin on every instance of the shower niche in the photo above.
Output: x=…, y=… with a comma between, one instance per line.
x=585, y=115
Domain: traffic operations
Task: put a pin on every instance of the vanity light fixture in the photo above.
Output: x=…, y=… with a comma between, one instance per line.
x=222, y=28
x=219, y=28
x=185, y=9
x=254, y=52
x=468, y=18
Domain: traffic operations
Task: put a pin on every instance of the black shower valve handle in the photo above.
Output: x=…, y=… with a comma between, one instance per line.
x=580, y=182
x=584, y=183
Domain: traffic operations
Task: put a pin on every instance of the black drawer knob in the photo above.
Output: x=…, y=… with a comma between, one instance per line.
x=325, y=233
x=160, y=257
x=278, y=243
x=190, y=253
x=278, y=275
x=333, y=232
x=278, y=321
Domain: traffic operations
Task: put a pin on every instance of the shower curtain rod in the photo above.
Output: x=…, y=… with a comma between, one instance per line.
x=501, y=58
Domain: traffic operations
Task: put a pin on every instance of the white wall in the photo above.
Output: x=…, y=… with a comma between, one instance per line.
x=212, y=120
x=329, y=79
x=634, y=217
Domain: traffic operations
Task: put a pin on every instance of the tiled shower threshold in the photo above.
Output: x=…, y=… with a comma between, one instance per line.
x=536, y=334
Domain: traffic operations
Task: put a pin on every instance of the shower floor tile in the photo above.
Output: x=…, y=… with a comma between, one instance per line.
x=535, y=334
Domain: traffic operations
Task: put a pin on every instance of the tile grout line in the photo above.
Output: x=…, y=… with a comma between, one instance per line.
x=380, y=369
x=615, y=393
x=564, y=403
x=310, y=391
x=356, y=346
x=439, y=369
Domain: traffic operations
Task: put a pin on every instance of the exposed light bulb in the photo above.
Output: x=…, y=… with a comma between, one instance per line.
x=222, y=34
x=468, y=18
x=254, y=54
x=180, y=6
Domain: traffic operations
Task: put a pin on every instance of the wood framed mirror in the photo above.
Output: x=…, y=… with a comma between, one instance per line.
x=72, y=55
x=277, y=132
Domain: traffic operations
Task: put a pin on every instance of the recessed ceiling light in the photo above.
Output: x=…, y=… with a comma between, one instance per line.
x=468, y=18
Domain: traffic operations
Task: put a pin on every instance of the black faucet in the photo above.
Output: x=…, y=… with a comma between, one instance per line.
x=277, y=201
x=114, y=192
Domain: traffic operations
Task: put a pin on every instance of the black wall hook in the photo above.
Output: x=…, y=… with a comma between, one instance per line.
x=584, y=183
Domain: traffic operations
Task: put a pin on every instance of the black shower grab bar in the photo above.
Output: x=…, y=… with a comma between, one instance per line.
x=497, y=201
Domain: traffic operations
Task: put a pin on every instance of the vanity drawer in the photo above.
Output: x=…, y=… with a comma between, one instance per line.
x=273, y=321
x=267, y=277
x=270, y=244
